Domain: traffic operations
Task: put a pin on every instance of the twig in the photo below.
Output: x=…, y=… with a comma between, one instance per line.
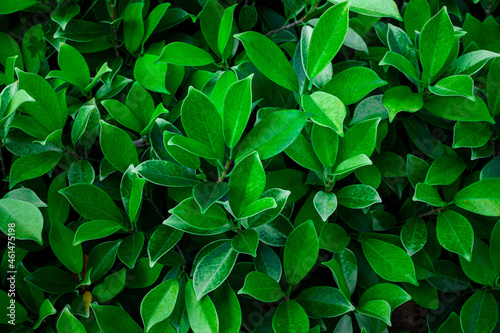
x=224, y=173
x=293, y=24
x=432, y=212
x=115, y=33
x=329, y=185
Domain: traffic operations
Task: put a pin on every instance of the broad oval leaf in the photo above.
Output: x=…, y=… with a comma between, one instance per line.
x=482, y=197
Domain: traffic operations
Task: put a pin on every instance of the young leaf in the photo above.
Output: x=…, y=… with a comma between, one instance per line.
x=300, y=253
x=428, y=194
x=325, y=204
x=269, y=59
x=455, y=233
x=189, y=211
x=303, y=154
x=327, y=38
x=361, y=138
x=95, y=230
x=389, y=292
x=225, y=27
x=117, y=147
x=400, y=63
x=325, y=143
x=389, y=261
x=457, y=85
x=162, y=240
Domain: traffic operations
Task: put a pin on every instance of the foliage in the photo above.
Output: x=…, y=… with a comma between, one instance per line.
x=222, y=166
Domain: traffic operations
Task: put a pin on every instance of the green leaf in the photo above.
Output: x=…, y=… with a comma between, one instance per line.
x=358, y=196
x=74, y=68
x=493, y=87
x=290, y=317
x=101, y=260
x=303, y=154
x=328, y=110
x=225, y=27
x=189, y=211
x=236, y=110
x=159, y=303
x=153, y=20
x=246, y=242
x=457, y=85
x=325, y=143
x=327, y=38
x=414, y=235
x=202, y=121
x=207, y=193
x=52, y=280
x=61, y=242
x=130, y=248
x=377, y=8
x=325, y=204
x=113, y=284
x=352, y=84
x=300, y=253
x=81, y=31
x=452, y=324
x=455, y=233
x=269, y=59
x=133, y=26
x=361, y=138
x=351, y=164
x=428, y=194
x=33, y=166
x=471, y=62
x=400, y=63
x=21, y=219
x=92, y=202
x=46, y=309
x=379, y=309
x=495, y=247
x=228, y=307
x=213, y=269
x=166, y=173
x=179, y=224
x=12, y=6
x=117, y=147
x=416, y=14
x=81, y=171
x=479, y=313
x=162, y=240
x=114, y=319
x=217, y=96
x=189, y=145
x=479, y=268
x=401, y=98
x=445, y=170
x=482, y=197
x=273, y=134
x=391, y=293
x=25, y=194
x=184, y=54
x=246, y=183
x=67, y=323
x=324, y=302
x=262, y=287
x=268, y=262
x=471, y=135
x=458, y=108
x=436, y=43
x=151, y=75
x=389, y=261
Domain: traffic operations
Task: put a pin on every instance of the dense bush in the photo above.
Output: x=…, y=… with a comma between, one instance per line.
x=277, y=166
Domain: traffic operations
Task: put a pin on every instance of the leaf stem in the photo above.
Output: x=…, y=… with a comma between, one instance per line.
x=224, y=172
x=115, y=33
x=297, y=22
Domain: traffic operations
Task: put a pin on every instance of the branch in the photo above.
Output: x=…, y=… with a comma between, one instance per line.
x=293, y=24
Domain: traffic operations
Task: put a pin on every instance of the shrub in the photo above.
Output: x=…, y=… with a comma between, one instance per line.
x=294, y=166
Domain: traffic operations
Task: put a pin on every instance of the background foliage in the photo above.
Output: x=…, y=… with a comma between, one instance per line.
x=293, y=166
